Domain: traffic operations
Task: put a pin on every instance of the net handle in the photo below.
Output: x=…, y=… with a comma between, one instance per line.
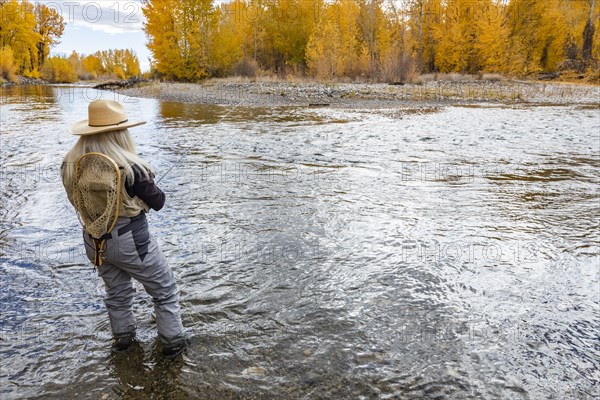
x=117, y=172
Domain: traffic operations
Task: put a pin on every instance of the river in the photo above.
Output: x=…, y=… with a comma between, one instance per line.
x=437, y=252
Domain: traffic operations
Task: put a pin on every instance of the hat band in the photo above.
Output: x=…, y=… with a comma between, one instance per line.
x=98, y=126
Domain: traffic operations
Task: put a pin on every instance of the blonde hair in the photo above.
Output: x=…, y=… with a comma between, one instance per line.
x=118, y=145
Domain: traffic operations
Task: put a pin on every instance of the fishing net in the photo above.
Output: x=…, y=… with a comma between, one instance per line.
x=96, y=195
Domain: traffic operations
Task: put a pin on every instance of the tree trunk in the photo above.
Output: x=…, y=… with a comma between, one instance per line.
x=588, y=35
x=41, y=54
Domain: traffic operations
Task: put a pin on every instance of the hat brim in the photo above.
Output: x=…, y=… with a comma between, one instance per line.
x=83, y=128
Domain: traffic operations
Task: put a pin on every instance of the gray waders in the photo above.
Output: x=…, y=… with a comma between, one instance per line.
x=131, y=252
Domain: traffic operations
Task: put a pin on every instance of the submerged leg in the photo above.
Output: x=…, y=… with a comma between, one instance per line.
x=118, y=299
x=141, y=257
x=158, y=280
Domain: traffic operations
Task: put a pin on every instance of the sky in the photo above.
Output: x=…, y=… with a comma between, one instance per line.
x=101, y=25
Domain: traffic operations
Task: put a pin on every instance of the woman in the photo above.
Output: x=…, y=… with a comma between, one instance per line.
x=129, y=251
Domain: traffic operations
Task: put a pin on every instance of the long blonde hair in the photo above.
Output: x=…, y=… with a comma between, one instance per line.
x=118, y=145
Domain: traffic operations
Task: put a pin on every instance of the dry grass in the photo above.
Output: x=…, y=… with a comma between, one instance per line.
x=493, y=77
x=244, y=79
x=456, y=77
x=590, y=77
x=411, y=77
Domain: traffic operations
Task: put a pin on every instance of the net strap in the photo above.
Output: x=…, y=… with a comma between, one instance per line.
x=99, y=250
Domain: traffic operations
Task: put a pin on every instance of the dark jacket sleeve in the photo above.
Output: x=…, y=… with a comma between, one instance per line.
x=145, y=188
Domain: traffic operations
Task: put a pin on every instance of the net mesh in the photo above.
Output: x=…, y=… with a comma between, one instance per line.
x=96, y=192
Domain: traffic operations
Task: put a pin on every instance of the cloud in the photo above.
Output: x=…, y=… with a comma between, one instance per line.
x=112, y=17
x=102, y=25
x=106, y=28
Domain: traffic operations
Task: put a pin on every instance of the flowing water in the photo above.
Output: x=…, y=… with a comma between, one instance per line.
x=447, y=252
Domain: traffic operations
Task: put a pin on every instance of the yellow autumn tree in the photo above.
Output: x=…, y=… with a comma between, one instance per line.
x=49, y=25
x=333, y=46
x=163, y=38
x=92, y=65
x=76, y=61
x=228, y=40
x=118, y=63
x=323, y=52
x=8, y=68
x=18, y=32
x=371, y=22
x=491, y=32
x=131, y=63
x=251, y=18
x=180, y=36
x=375, y=39
x=289, y=26
x=424, y=17
x=396, y=62
x=451, y=38
x=59, y=70
x=543, y=33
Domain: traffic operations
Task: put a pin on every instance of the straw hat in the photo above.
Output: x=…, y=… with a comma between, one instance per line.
x=103, y=116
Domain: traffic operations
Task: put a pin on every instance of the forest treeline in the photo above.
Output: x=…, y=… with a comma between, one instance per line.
x=387, y=40
x=383, y=40
x=27, y=33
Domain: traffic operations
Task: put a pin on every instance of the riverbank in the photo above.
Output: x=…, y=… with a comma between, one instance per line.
x=365, y=95
x=22, y=80
x=269, y=92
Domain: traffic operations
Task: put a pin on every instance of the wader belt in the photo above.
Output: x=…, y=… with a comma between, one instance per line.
x=100, y=243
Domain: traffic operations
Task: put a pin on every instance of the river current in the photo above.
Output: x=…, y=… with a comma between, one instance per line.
x=437, y=252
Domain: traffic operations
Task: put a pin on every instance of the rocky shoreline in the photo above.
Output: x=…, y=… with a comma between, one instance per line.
x=23, y=80
x=366, y=95
x=269, y=93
